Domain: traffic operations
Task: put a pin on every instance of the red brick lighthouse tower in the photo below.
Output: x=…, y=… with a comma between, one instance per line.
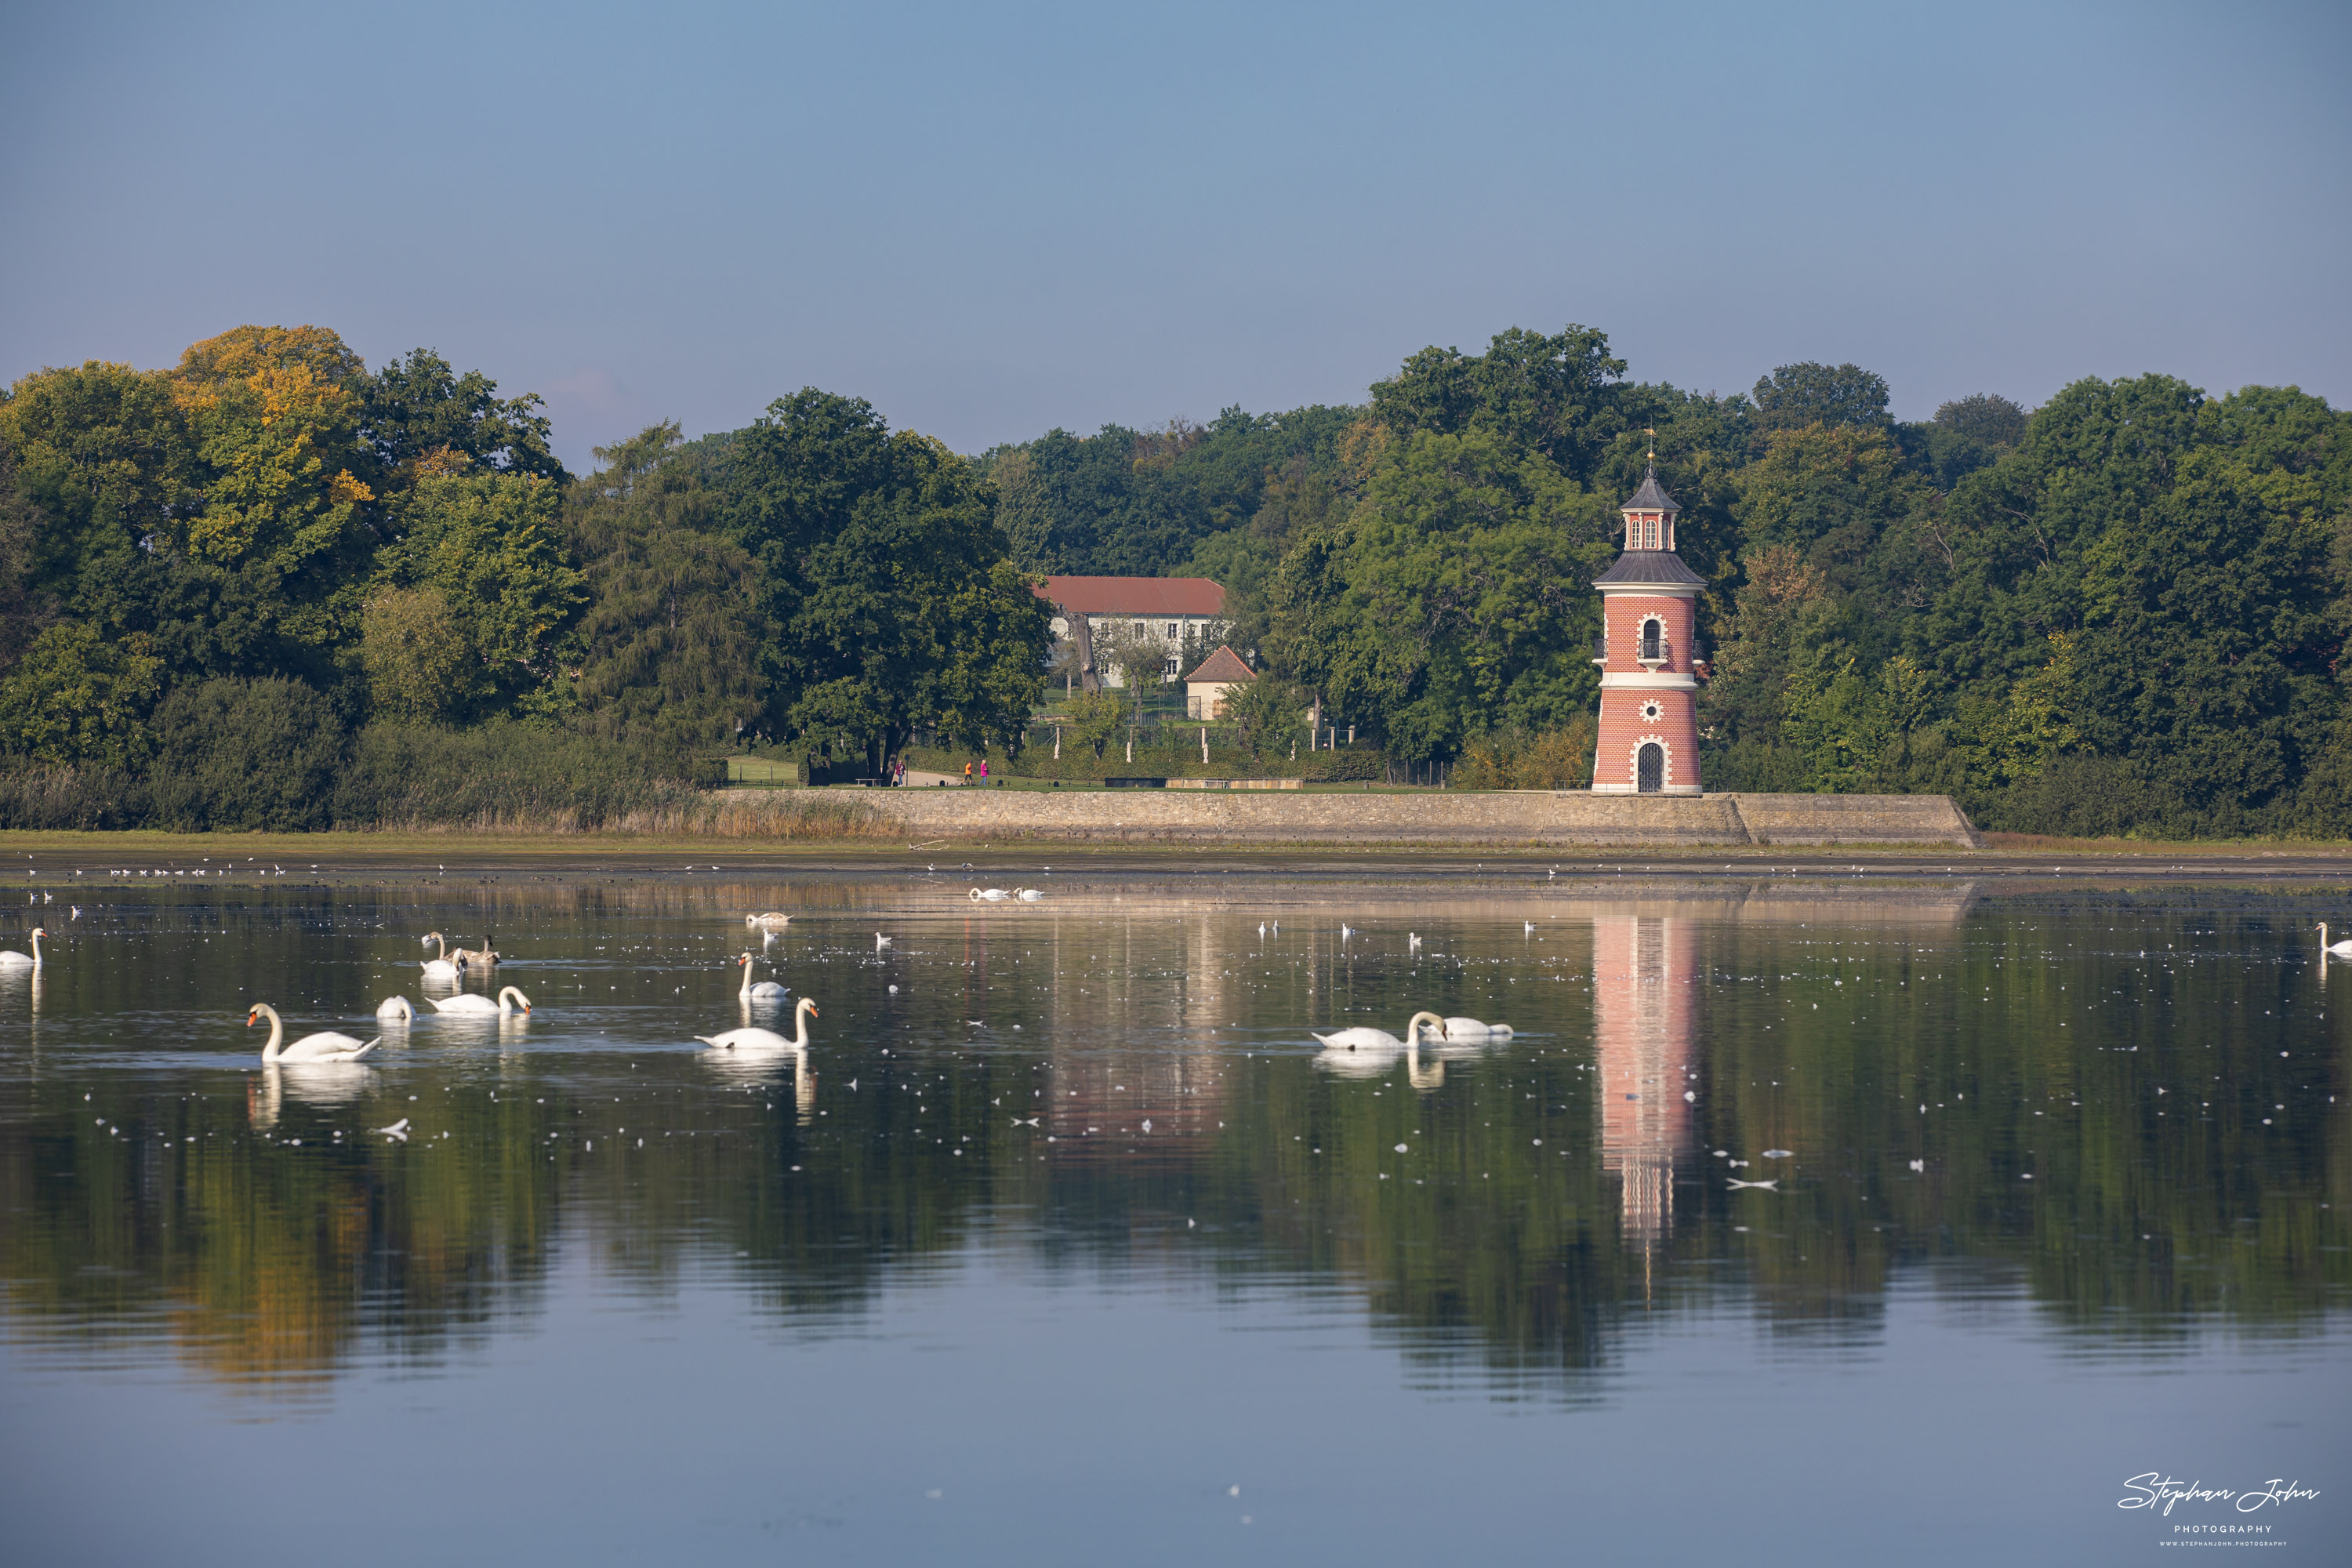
x=1648, y=684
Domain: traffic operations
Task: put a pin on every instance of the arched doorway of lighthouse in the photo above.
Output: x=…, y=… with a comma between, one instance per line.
x=1650, y=768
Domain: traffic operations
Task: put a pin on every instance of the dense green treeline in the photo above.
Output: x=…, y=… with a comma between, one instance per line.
x=272, y=589
x=2120, y=613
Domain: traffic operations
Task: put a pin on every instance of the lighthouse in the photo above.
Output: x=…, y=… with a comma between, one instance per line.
x=1648, y=657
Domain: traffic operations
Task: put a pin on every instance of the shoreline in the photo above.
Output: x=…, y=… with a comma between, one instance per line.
x=39, y=861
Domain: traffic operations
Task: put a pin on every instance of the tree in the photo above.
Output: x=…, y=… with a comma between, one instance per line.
x=489, y=545
x=1095, y=718
x=1266, y=714
x=669, y=645
x=1457, y=597
x=1558, y=396
x=421, y=665
x=76, y=699
x=1796, y=395
x=879, y=558
x=417, y=407
x=1987, y=419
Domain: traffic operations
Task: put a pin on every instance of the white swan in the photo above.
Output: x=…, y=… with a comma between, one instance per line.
x=1364, y=1040
x=765, y=990
x=440, y=970
x=1029, y=895
x=767, y=1039
x=2338, y=950
x=12, y=959
x=989, y=894
x=1465, y=1031
x=325, y=1046
x=768, y=922
x=1371, y=1060
x=880, y=942
x=395, y=1010
x=471, y=1003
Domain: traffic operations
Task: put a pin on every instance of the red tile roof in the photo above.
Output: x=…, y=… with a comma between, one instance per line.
x=1222, y=665
x=1135, y=596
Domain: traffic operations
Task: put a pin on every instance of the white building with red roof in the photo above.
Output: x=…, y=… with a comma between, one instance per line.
x=1206, y=688
x=1169, y=610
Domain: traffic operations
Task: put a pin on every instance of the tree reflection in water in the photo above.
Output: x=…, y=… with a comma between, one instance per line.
x=1156, y=1110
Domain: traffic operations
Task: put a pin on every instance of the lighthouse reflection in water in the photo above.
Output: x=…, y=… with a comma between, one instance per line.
x=1645, y=974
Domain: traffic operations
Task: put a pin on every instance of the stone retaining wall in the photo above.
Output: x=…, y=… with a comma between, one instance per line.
x=1535, y=818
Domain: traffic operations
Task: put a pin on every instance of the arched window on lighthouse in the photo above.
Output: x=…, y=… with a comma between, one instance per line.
x=1653, y=639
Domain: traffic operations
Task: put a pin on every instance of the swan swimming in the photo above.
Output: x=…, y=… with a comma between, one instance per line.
x=2338, y=950
x=1367, y=1039
x=485, y=955
x=439, y=970
x=1370, y=1060
x=767, y=1039
x=772, y=918
x=989, y=894
x=765, y=990
x=1471, y=1029
x=12, y=959
x=325, y=1046
x=471, y=1003
x=1029, y=895
x=395, y=1010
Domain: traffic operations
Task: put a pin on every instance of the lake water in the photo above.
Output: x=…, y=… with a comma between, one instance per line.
x=1065, y=1243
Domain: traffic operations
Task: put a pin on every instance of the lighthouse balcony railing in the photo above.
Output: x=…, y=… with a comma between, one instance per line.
x=1654, y=650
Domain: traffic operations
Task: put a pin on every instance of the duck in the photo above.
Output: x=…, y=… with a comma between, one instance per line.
x=12, y=959
x=440, y=971
x=324, y=1047
x=765, y=990
x=395, y=1010
x=767, y=1039
x=2336, y=950
x=1463, y=1031
x=471, y=1003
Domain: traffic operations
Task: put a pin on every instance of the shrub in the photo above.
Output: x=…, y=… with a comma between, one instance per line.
x=241, y=755
x=1328, y=767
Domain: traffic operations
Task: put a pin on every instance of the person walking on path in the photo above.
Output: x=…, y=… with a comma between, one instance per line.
x=967, y=772
x=984, y=770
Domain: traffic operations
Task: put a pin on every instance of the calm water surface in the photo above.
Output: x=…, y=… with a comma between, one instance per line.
x=1065, y=1243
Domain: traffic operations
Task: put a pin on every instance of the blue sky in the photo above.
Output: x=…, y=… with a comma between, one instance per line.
x=993, y=219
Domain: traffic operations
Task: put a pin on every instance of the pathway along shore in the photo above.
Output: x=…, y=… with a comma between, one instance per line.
x=70, y=864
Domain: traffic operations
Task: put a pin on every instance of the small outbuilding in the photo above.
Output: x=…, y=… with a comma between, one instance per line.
x=1205, y=688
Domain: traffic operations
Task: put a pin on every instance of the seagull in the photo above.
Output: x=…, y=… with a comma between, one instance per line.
x=76, y=911
x=1345, y=930
x=398, y=1129
x=1531, y=927
x=880, y=942
x=1772, y=1186
x=1412, y=942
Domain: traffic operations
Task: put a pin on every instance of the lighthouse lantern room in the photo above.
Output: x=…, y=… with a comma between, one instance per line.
x=1649, y=658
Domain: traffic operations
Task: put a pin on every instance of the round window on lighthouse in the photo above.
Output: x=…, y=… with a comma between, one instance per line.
x=1651, y=710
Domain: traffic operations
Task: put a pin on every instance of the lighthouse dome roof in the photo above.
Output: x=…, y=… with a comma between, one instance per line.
x=1651, y=497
